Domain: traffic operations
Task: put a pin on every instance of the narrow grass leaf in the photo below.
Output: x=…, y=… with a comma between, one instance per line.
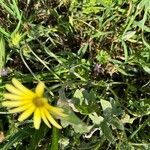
x=2, y=53
x=16, y=137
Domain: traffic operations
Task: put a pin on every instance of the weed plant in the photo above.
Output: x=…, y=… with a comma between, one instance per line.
x=94, y=58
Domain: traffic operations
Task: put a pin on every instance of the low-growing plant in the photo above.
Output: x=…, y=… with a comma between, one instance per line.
x=93, y=57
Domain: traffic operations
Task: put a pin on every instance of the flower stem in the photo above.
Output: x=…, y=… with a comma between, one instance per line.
x=55, y=138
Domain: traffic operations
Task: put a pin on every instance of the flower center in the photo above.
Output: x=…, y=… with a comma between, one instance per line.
x=38, y=102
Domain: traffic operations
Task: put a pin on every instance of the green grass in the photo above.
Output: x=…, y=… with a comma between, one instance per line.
x=94, y=57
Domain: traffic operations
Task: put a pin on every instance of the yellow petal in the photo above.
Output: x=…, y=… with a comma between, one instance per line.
x=51, y=119
x=26, y=113
x=22, y=88
x=13, y=90
x=14, y=103
x=16, y=97
x=37, y=118
x=40, y=89
x=20, y=109
x=56, y=111
x=44, y=118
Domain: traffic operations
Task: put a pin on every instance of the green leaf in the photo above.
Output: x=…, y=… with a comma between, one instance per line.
x=146, y=68
x=75, y=122
x=71, y=119
x=4, y=32
x=103, y=57
x=79, y=95
x=16, y=137
x=107, y=131
x=127, y=119
x=144, y=27
x=84, y=101
x=83, y=49
x=2, y=53
x=128, y=35
x=105, y=105
x=117, y=123
x=96, y=119
x=122, y=71
x=37, y=135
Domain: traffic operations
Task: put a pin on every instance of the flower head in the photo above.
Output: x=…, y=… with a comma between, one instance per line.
x=21, y=99
x=16, y=38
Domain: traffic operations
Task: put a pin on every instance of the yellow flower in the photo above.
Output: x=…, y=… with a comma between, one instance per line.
x=21, y=99
x=16, y=38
